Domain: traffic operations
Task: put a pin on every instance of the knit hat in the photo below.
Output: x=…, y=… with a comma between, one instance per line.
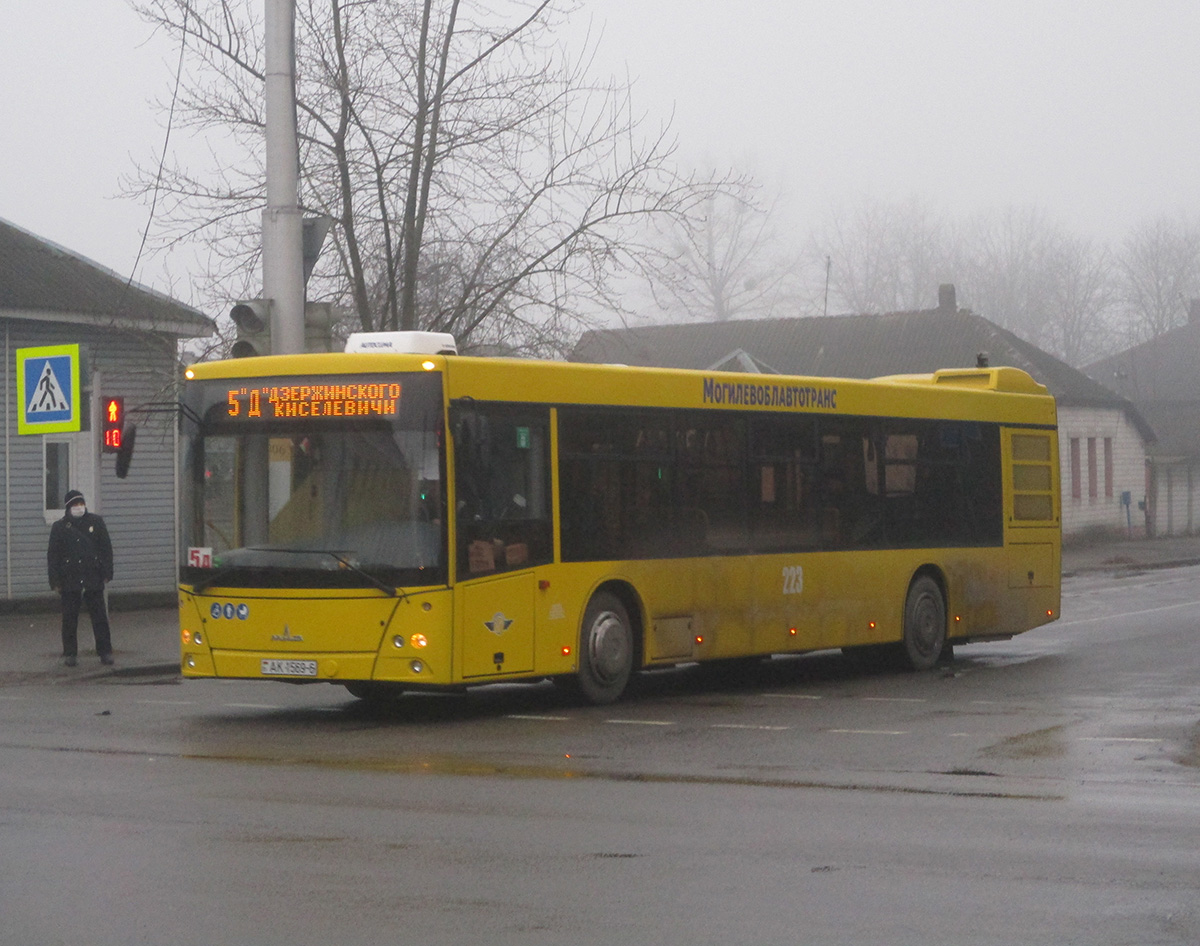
x=73, y=496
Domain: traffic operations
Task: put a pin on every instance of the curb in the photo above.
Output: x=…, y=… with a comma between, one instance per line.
x=139, y=670
x=1117, y=567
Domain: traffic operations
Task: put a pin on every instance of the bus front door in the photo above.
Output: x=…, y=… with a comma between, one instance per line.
x=496, y=625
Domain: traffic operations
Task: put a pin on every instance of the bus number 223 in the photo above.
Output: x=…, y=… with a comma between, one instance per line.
x=793, y=579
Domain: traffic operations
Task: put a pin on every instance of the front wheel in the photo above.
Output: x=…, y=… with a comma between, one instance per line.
x=924, y=624
x=605, y=649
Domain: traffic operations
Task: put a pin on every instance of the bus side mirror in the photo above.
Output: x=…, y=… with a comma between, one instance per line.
x=125, y=451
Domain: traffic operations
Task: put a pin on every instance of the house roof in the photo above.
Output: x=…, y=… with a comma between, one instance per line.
x=852, y=346
x=848, y=346
x=42, y=281
x=1177, y=427
x=1162, y=369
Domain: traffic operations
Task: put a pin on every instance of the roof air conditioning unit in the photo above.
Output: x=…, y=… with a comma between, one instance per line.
x=407, y=343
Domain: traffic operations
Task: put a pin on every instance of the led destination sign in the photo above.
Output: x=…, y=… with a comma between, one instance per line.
x=318, y=399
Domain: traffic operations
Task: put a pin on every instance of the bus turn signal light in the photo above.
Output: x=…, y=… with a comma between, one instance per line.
x=420, y=640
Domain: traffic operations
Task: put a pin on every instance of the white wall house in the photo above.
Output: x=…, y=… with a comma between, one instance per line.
x=1102, y=458
x=1160, y=377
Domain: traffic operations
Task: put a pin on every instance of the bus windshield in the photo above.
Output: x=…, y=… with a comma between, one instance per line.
x=316, y=482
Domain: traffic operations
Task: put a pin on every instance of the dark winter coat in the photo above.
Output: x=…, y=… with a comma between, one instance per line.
x=80, y=555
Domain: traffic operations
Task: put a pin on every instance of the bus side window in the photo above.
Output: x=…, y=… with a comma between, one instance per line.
x=502, y=490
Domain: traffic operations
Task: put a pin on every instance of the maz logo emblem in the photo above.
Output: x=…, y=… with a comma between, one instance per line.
x=287, y=636
x=498, y=624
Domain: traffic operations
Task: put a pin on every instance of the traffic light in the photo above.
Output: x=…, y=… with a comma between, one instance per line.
x=253, y=320
x=112, y=424
x=318, y=326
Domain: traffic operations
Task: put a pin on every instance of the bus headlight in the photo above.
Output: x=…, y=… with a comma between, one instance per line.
x=416, y=666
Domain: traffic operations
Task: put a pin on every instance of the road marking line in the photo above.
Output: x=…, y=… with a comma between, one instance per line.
x=892, y=699
x=639, y=722
x=746, y=726
x=870, y=732
x=1117, y=739
x=548, y=719
x=167, y=702
x=793, y=696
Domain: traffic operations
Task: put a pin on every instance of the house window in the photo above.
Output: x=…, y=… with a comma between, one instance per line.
x=57, y=478
x=1076, y=477
x=1108, y=468
x=1092, y=471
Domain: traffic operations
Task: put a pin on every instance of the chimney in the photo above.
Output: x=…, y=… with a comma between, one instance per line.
x=1193, y=311
x=946, y=300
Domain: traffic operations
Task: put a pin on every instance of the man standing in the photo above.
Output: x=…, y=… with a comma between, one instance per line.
x=80, y=560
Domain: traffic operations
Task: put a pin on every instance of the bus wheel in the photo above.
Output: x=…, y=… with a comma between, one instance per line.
x=606, y=649
x=924, y=624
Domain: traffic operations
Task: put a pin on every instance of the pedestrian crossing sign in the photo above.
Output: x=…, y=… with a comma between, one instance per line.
x=48, y=390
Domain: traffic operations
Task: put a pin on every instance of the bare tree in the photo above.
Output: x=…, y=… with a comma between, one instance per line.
x=481, y=181
x=724, y=260
x=1159, y=271
x=1001, y=265
x=882, y=256
x=1079, y=304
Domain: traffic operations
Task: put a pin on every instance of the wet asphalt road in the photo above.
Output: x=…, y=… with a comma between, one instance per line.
x=1042, y=790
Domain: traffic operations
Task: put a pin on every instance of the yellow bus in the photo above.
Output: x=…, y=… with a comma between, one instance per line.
x=398, y=521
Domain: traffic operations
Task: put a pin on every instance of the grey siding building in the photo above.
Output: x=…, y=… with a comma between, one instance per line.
x=1102, y=436
x=129, y=336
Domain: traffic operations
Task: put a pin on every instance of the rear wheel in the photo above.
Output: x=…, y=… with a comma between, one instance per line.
x=605, y=649
x=924, y=624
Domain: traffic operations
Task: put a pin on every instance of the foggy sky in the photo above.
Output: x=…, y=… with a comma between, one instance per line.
x=1084, y=109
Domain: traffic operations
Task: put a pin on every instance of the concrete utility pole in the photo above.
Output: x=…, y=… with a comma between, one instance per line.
x=283, y=243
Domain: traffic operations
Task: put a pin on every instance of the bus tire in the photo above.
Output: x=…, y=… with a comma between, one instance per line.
x=924, y=623
x=606, y=646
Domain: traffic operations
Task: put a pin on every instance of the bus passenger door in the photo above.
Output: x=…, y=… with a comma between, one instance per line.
x=497, y=625
x=503, y=528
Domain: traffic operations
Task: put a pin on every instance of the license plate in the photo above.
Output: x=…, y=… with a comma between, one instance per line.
x=289, y=668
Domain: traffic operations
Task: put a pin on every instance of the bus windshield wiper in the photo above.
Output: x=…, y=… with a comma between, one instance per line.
x=337, y=557
x=213, y=578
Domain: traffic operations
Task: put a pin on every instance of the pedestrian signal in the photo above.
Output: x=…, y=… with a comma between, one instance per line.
x=113, y=424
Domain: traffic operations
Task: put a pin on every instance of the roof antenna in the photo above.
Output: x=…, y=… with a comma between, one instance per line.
x=981, y=360
x=828, y=267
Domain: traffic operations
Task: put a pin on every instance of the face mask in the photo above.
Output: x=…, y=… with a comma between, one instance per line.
x=78, y=510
